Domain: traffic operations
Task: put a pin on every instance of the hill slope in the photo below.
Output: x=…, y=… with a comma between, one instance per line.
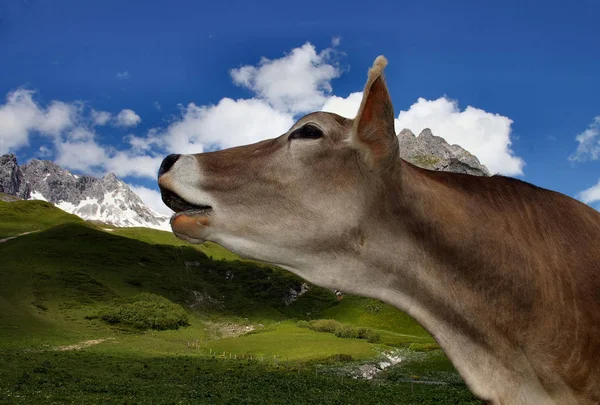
x=54, y=346
x=26, y=216
x=72, y=269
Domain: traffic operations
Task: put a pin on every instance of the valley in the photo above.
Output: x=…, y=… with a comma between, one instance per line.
x=76, y=301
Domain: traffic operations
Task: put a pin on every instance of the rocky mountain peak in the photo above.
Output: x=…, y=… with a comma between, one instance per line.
x=433, y=152
x=9, y=157
x=107, y=199
x=426, y=133
x=406, y=132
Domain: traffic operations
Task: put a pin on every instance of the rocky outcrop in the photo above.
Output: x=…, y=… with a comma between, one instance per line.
x=10, y=175
x=295, y=292
x=433, y=152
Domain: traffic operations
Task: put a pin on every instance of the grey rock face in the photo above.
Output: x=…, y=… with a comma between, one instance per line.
x=107, y=199
x=54, y=183
x=295, y=292
x=10, y=175
x=433, y=152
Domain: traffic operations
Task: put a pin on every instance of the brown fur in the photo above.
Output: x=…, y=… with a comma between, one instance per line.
x=533, y=253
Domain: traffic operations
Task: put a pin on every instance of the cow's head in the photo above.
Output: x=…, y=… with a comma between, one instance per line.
x=295, y=199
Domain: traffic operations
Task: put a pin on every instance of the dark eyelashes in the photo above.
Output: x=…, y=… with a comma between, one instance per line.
x=306, y=132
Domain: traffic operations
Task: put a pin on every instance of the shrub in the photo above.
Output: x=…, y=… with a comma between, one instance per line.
x=303, y=324
x=346, y=331
x=369, y=335
x=340, y=358
x=340, y=330
x=324, y=325
x=147, y=311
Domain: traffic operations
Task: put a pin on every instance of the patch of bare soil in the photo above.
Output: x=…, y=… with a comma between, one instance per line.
x=81, y=345
x=229, y=329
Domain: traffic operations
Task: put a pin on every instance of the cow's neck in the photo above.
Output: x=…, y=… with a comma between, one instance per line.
x=430, y=253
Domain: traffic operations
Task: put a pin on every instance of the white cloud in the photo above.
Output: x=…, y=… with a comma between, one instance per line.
x=346, y=107
x=151, y=198
x=128, y=118
x=229, y=123
x=157, y=105
x=85, y=156
x=20, y=115
x=589, y=143
x=590, y=195
x=44, y=152
x=17, y=117
x=100, y=117
x=123, y=75
x=80, y=134
x=125, y=163
x=335, y=41
x=484, y=134
x=58, y=117
x=141, y=145
x=296, y=83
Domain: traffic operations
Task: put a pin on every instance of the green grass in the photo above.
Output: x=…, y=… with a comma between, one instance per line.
x=22, y=216
x=394, y=327
x=8, y=197
x=157, y=237
x=426, y=161
x=341, y=330
x=290, y=342
x=92, y=377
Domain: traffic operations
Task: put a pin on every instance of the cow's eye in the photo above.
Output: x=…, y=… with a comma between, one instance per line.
x=306, y=132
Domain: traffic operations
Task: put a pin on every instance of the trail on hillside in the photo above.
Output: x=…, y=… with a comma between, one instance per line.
x=16, y=236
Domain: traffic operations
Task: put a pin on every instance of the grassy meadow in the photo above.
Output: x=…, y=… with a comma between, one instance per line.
x=95, y=315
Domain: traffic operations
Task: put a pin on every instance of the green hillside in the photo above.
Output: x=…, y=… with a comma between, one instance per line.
x=26, y=216
x=74, y=286
x=54, y=277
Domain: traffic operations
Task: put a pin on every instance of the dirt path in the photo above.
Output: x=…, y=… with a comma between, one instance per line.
x=16, y=236
x=81, y=345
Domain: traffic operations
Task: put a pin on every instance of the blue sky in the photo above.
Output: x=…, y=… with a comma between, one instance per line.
x=161, y=70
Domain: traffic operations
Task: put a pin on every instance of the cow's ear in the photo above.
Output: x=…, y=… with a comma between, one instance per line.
x=373, y=131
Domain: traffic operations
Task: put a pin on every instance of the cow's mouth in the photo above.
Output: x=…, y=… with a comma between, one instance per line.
x=181, y=206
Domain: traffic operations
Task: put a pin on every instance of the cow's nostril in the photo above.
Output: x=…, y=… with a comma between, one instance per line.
x=167, y=163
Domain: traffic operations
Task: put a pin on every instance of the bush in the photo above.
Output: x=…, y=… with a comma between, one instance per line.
x=303, y=324
x=346, y=331
x=147, y=311
x=324, y=325
x=340, y=330
x=369, y=335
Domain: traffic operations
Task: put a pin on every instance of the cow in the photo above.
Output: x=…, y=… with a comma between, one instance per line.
x=503, y=274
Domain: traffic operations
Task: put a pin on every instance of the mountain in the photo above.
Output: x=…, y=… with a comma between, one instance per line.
x=107, y=200
x=434, y=153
